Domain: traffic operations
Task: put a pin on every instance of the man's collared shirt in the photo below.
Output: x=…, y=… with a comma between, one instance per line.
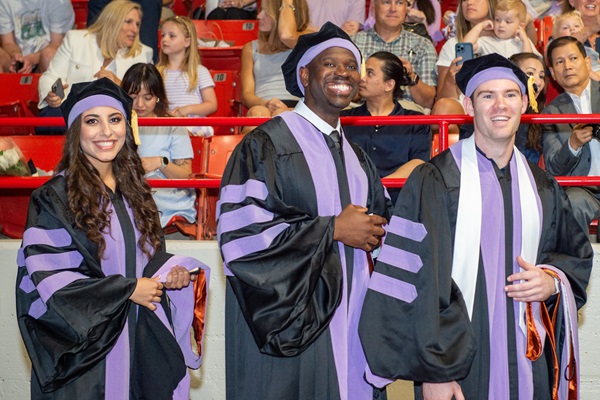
x=583, y=105
x=303, y=110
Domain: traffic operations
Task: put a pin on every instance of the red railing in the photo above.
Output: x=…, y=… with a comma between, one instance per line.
x=441, y=120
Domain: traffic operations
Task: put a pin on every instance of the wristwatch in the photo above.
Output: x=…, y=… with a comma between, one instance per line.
x=164, y=161
x=415, y=80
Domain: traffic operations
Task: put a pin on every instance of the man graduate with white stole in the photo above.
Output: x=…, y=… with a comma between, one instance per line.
x=476, y=289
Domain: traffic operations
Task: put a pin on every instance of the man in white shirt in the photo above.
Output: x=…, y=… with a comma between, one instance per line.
x=574, y=149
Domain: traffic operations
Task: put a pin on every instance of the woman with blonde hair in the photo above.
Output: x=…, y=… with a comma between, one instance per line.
x=280, y=23
x=106, y=49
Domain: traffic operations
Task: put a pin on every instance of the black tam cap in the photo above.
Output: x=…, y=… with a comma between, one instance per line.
x=478, y=70
x=308, y=47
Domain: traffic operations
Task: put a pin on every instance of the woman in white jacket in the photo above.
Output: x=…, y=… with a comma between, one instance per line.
x=102, y=50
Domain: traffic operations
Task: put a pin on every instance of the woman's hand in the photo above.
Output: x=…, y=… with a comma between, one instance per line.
x=147, y=292
x=53, y=100
x=178, y=277
x=104, y=73
x=151, y=163
x=179, y=112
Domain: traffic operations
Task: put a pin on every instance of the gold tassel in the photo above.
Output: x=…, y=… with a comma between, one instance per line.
x=134, y=127
x=531, y=94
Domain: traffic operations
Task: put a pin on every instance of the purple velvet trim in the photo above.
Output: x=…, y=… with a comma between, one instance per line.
x=50, y=237
x=400, y=259
x=53, y=262
x=47, y=287
x=242, y=217
x=37, y=309
x=403, y=227
x=492, y=74
x=314, y=51
x=237, y=193
x=349, y=357
x=21, y=257
x=392, y=287
x=251, y=244
x=117, y=371
x=94, y=101
x=376, y=380
x=27, y=284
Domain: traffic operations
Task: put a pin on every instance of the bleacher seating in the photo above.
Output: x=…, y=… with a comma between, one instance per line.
x=225, y=89
x=236, y=32
x=18, y=98
x=81, y=11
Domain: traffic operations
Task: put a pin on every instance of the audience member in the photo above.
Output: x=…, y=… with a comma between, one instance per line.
x=106, y=49
x=166, y=151
x=510, y=18
x=417, y=53
x=190, y=88
x=167, y=10
x=590, y=15
x=31, y=31
x=481, y=245
x=231, y=9
x=262, y=83
x=394, y=149
x=300, y=209
x=347, y=14
x=574, y=149
x=151, y=15
x=96, y=291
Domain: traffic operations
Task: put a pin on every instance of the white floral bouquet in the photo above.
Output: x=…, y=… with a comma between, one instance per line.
x=12, y=162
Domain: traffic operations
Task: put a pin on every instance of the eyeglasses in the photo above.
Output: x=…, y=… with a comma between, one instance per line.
x=398, y=3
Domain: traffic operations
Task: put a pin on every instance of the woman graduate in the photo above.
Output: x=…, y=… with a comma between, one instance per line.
x=95, y=289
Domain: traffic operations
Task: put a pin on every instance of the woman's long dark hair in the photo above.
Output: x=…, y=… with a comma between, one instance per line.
x=89, y=199
x=534, y=132
x=146, y=76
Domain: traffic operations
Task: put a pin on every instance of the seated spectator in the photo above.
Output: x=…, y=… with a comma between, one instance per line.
x=590, y=15
x=416, y=53
x=574, y=149
x=395, y=149
x=231, y=9
x=100, y=51
x=31, y=31
x=166, y=151
x=510, y=19
x=347, y=14
x=263, y=87
x=190, y=88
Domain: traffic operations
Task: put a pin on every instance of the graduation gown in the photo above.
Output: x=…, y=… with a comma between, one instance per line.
x=293, y=293
x=84, y=337
x=415, y=324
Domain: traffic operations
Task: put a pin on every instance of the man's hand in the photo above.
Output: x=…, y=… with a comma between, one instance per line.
x=581, y=134
x=356, y=229
x=442, y=391
x=536, y=285
x=178, y=277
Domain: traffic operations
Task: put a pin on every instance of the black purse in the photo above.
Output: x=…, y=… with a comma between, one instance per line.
x=419, y=28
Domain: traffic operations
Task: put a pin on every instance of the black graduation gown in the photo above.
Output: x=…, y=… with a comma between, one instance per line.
x=280, y=300
x=431, y=339
x=79, y=324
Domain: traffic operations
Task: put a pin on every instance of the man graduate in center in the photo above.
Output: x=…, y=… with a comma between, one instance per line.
x=300, y=208
x=476, y=289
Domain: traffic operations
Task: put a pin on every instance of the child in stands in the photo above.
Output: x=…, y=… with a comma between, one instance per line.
x=166, y=151
x=510, y=19
x=190, y=88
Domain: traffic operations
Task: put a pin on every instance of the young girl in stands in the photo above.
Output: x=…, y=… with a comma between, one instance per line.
x=166, y=151
x=190, y=88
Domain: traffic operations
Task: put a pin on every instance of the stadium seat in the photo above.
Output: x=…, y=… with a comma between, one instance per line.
x=81, y=12
x=237, y=31
x=225, y=89
x=18, y=98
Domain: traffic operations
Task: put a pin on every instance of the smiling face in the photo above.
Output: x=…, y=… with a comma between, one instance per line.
x=570, y=68
x=506, y=24
x=330, y=82
x=535, y=68
x=496, y=109
x=130, y=28
x=174, y=40
x=589, y=9
x=103, y=131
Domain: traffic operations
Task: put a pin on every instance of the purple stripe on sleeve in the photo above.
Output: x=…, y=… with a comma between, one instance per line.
x=53, y=262
x=400, y=259
x=27, y=284
x=50, y=237
x=247, y=215
x=237, y=193
x=20, y=258
x=47, y=287
x=37, y=309
x=393, y=287
x=406, y=228
x=247, y=245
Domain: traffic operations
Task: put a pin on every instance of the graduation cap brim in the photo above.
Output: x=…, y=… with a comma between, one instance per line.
x=493, y=66
x=101, y=92
x=308, y=47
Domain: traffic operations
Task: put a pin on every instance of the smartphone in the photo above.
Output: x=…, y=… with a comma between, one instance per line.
x=18, y=66
x=598, y=43
x=464, y=50
x=57, y=88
